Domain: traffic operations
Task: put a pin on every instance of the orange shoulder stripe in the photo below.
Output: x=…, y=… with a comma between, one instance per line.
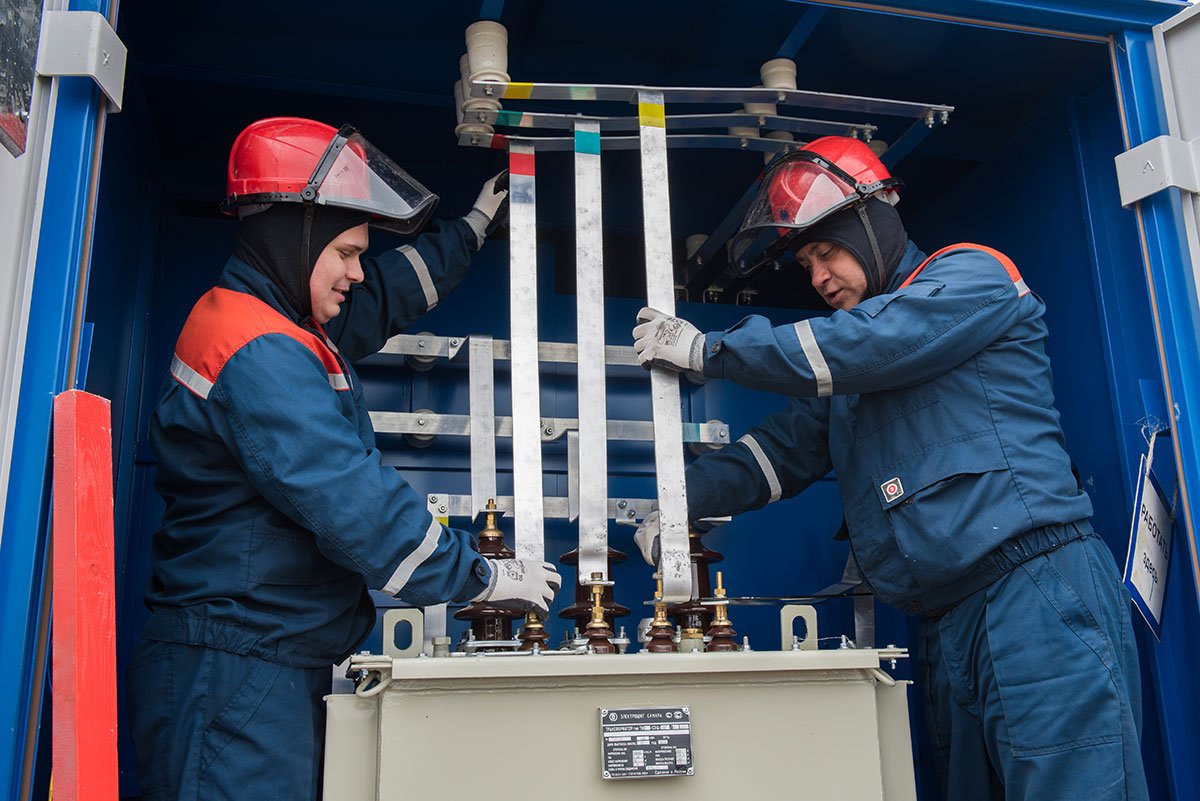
x=221, y=323
x=1009, y=267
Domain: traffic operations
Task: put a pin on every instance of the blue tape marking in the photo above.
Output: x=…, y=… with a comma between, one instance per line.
x=587, y=142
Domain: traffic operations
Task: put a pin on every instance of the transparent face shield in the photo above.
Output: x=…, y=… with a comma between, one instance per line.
x=796, y=193
x=354, y=174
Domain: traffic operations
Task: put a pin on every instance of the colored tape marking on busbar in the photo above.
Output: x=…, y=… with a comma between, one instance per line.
x=587, y=142
x=518, y=91
x=652, y=115
x=512, y=119
x=499, y=142
x=520, y=163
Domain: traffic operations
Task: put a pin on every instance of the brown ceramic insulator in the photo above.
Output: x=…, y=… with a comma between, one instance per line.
x=534, y=633
x=661, y=639
x=722, y=638
x=599, y=637
x=489, y=622
x=581, y=610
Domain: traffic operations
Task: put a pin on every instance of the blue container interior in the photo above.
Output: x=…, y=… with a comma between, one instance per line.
x=1025, y=166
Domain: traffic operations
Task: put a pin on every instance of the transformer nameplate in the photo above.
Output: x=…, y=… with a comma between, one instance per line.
x=643, y=743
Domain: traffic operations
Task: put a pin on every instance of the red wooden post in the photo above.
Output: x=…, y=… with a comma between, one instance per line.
x=85, y=659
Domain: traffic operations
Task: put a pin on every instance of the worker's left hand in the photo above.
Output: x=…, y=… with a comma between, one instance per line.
x=661, y=340
x=491, y=207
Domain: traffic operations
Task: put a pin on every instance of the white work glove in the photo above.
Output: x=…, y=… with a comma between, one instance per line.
x=646, y=539
x=491, y=207
x=665, y=341
x=521, y=584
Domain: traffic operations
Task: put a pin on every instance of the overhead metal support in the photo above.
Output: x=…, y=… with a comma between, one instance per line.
x=565, y=144
x=616, y=93
x=674, y=564
x=800, y=32
x=82, y=43
x=506, y=118
x=526, y=387
x=589, y=306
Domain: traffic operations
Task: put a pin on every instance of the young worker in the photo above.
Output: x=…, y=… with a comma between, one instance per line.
x=280, y=512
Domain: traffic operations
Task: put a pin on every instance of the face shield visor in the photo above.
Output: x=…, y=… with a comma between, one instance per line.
x=796, y=193
x=354, y=174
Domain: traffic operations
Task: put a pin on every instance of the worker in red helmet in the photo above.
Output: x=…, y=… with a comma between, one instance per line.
x=928, y=393
x=280, y=512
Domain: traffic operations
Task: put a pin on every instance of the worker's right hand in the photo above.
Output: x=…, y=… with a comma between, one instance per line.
x=521, y=584
x=646, y=539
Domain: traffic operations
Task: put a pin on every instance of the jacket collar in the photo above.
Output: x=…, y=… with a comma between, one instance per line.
x=241, y=277
x=909, y=262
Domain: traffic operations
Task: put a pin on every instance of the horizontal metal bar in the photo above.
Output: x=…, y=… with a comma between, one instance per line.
x=503, y=118
x=550, y=352
x=621, y=509
x=566, y=144
x=695, y=94
x=425, y=345
x=713, y=432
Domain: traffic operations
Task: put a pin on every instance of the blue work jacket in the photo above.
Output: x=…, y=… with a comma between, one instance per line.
x=933, y=404
x=279, y=510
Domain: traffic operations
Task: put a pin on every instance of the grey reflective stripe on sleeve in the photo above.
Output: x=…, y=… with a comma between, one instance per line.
x=764, y=464
x=1022, y=287
x=338, y=381
x=816, y=359
x=190, y=378
x=422, y=271
x=415, y=559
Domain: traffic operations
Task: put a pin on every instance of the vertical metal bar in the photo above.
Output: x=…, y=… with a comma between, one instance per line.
x=435, y=626
x=483, y=423
x=526, y=395
x=589, y=303
x=573, y=476
x=674, y=564
x=864, y=621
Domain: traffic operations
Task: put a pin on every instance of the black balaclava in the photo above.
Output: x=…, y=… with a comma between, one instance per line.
x=272, y=242
x=872, y=231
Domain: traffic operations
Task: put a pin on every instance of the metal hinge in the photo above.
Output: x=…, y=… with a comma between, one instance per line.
x=1155, y=165
x=82, y=43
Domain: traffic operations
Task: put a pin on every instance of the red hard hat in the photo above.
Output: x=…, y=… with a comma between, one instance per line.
x=278, y=154
x=296, y=160
x=804, y=187
x=801, y=193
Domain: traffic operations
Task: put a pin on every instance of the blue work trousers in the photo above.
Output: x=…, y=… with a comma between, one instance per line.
x=211, y=725
x=1032, y=684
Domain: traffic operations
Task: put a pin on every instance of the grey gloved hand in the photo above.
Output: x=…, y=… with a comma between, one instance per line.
x=491, y=207
x=661, y=340
x=521, y=584
x=646, y=539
